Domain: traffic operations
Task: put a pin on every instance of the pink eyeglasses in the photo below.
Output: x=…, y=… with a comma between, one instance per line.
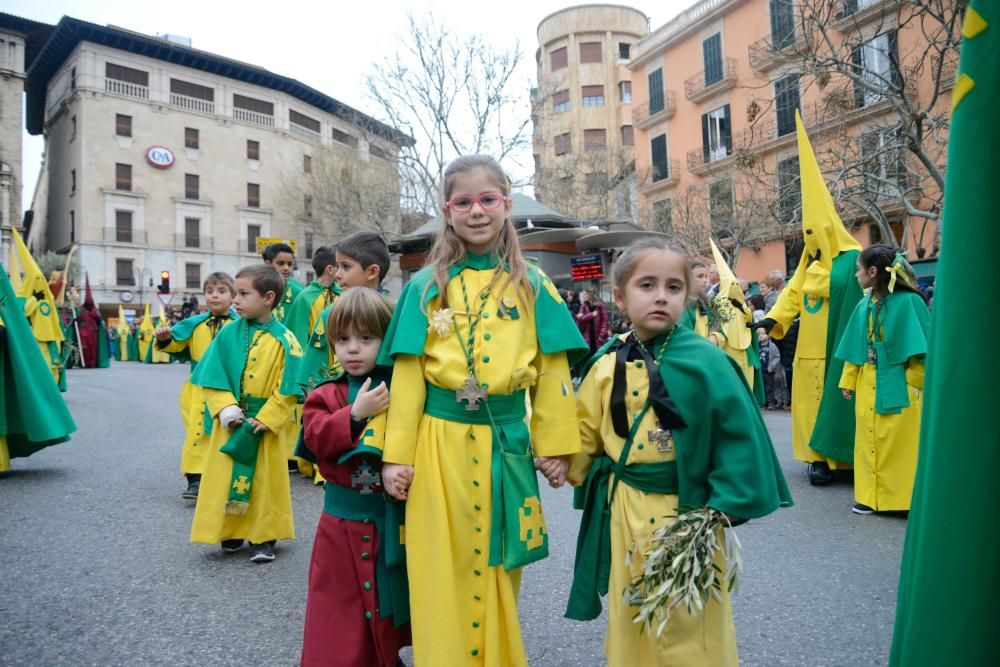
x=487, y=200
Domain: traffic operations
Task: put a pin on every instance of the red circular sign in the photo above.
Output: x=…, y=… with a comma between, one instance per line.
x=160, y=157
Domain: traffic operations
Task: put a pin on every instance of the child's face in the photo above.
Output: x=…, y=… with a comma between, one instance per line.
x=866, y=277
x=656, y=293
x=284, y=262
x=700, y=274
x=218, y=297
x=251, y=304
x=357, y=352
x=762, y=336
x=479, y=228
x=350, y=273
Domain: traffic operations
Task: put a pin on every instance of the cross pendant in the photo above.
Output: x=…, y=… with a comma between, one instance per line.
x=365, y=479
x=471, y=392
x=664, y=439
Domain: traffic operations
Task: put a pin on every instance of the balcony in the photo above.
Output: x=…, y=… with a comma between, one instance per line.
x=191, y=103
x=305, y=133
x=253, y=117
x=126, y=89
x=853, y=14
x=642, y=118
x=947, y=64
x=765, y=54
x=699, y=165
x=183, y=241
x=669, y=180
x=133, y=236
x=697, y=90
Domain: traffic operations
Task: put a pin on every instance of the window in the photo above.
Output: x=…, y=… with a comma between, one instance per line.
x=307, y=164
x=628, y=136
x=191, y=183
x=716, y=134
x=560, y=101
x=72, y=180
x=877, y=62
x=253, y=233
x=590, y=52
x=624, y=50
x=123, y=273
x=720, y=203
x=126, y=74
x=562, y=144
x=72, y=226
x=192, y=233
x=712, y=51
x=188, y=89
x=192, y=275
x=655, y=79
x=597, y=183
x=786, y=101
x=123, y=177
x=253, y=149
x=625, y=92
x=663, y=213
x=876, y=235
x=884, y=166
x=658, y=153
x=595, y=140
x=344, y=137
x=782, y=24
x=789, y=192
x=307, y=205
x=253, y=104
x=593, y=96
x=375, y=151
x=303, y=120
x=253, y=195
x=559, y=59
x=123, y=125
x=308, y=245
x=191, y=138
x=123, y=226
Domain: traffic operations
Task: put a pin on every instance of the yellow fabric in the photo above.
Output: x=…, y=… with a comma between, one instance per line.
x=452, y=486
x=55, y=365
x=192, y=401
x=4, y=454
x=145, y=334
x=269, y=516
x=704, y=639
x=736, y=337
x=43, y=315
x=123, y=331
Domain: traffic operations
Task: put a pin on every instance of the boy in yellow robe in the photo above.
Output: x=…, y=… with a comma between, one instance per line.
x=39, y=308
x=190, y=338
x=248, y=379
x=144, y=335
x=282, y=257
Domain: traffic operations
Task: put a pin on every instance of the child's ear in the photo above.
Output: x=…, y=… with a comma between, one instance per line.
x=616, y=294
x=372, y=272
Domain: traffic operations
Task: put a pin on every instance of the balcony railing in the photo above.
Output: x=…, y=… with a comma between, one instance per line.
x=191, y=103
x=254, y=117
x=642, y=118
x=666, y=180
x=305, y=133
x=126, y=89
x=689, y=17
x=765, y=53
x=193, y=242
x=697, y=163
x=948, y=68
x=855, y=13
x=697, y=89
x=134, y=236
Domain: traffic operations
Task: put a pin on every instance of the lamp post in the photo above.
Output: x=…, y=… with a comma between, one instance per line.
x=139, y=276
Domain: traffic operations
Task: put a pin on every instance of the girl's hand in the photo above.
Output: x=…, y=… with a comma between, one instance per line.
x=162, y=333
x=554, y=468
x=258, y=427
x=848, y=394
x=370, y=403
x=396, y=479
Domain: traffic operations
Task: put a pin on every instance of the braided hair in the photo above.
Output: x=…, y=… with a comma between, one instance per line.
x=882, y=257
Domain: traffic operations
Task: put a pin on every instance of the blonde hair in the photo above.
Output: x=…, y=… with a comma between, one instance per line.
x=361, y=310
x=449, y=248
x=626, y=263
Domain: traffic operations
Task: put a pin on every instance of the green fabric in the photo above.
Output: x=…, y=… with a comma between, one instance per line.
x=511, y=468
x=390, y=560
x=315, y=366
x=55, y=353
x=297, y=316
x=183, y=330
x=753, y=359
x=242, y=447
x=833, y=433
x=377, y=375
x=407, y=333
x=33, y=414
x=221, y=367
x=904, y=323
x=102, y=345
x=948, y=602
x=116, y=344
x=133, y=347
x=292, y=289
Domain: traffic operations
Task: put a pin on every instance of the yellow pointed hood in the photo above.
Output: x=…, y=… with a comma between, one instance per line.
x=45, y=323
x=737, y=334
x=147, y=322
x=122, y=322
x=822, y=228
x=162, y=319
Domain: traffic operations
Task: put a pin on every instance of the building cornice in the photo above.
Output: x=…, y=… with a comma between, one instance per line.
x=678, y=28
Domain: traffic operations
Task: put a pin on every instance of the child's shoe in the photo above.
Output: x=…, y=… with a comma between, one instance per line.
x=232, y=546
x=194, y=483
x=262, y=553
x=858, y=508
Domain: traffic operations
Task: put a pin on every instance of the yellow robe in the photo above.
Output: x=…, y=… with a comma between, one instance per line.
x=4, y=454
x=705, y=639
x=47, y=344
x=885, y=446
x=192, y=401
x=464, y=611
x=269, y=516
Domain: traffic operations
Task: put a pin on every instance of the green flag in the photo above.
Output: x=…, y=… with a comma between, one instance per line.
x=949, y=588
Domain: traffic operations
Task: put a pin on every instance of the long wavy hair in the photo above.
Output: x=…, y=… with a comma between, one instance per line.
x=449, y=248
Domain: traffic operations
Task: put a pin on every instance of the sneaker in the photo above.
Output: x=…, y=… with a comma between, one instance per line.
x=194, y=483
x=232, y=546
x=262, y=553
x=293, y=465
x=858, y=508
x=819, y=473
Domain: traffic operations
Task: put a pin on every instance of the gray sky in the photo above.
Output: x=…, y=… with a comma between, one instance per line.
x=327, y=46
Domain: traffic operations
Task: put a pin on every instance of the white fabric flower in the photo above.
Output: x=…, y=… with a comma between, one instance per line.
x=440, y=322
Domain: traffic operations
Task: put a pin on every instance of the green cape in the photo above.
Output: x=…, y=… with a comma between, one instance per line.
x=292, y=289
x=184, y=329
x=315, y=355
x=297, y=315
x=133, y=346
x=407, y=333
x=33, y=414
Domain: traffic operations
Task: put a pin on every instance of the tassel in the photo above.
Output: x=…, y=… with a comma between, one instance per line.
x=237, y=507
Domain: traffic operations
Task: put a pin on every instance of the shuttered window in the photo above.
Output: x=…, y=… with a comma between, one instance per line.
x=590, y=52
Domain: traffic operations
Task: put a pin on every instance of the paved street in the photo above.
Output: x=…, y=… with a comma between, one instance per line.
x=97, y=567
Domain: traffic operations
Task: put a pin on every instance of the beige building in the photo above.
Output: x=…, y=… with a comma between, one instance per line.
x=160, y=157
x=582, y=110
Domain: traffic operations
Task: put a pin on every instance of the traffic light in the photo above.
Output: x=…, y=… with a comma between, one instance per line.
x=164, y=287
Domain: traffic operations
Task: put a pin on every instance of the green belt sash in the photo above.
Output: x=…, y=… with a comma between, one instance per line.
x=593, y=545
x=242, y=447
x=390, y=561
x=517, y=535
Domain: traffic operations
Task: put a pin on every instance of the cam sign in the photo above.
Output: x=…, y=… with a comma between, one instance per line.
x=160, y=157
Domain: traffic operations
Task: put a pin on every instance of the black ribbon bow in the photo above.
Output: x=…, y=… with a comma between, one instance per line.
x=631, y=349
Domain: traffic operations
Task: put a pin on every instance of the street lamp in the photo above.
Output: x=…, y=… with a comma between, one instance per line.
x=138, y=277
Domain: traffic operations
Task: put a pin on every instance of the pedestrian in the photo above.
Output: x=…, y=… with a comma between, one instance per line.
x=771, y=287
x=572, y=301
x=473, y=331
x=592, y=319
x=775, y=388
x=189, y=339
x=356, y=611
x=282, y=257
x=656, y=392
x=883, y=350
x=248, y=378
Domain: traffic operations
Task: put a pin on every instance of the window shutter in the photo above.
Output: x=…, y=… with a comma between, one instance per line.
x=895, y=74
x=704, y=136
x=727, y=131
x=592, y=91
x=655, y=91
x=858, y=61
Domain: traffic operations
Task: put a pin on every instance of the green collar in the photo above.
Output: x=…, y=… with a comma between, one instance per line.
x=333, y=287
x=477, y=262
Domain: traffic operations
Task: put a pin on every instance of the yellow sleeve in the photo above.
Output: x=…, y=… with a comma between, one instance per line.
x=915, y=372
x=554, y=430
x=216, y=399
x=374, y=433
x=406, y=406
x=849, y=377
x=173, y=347
x=276, y=412
x=589, y=415
x=789, y=302
x=30, y=306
